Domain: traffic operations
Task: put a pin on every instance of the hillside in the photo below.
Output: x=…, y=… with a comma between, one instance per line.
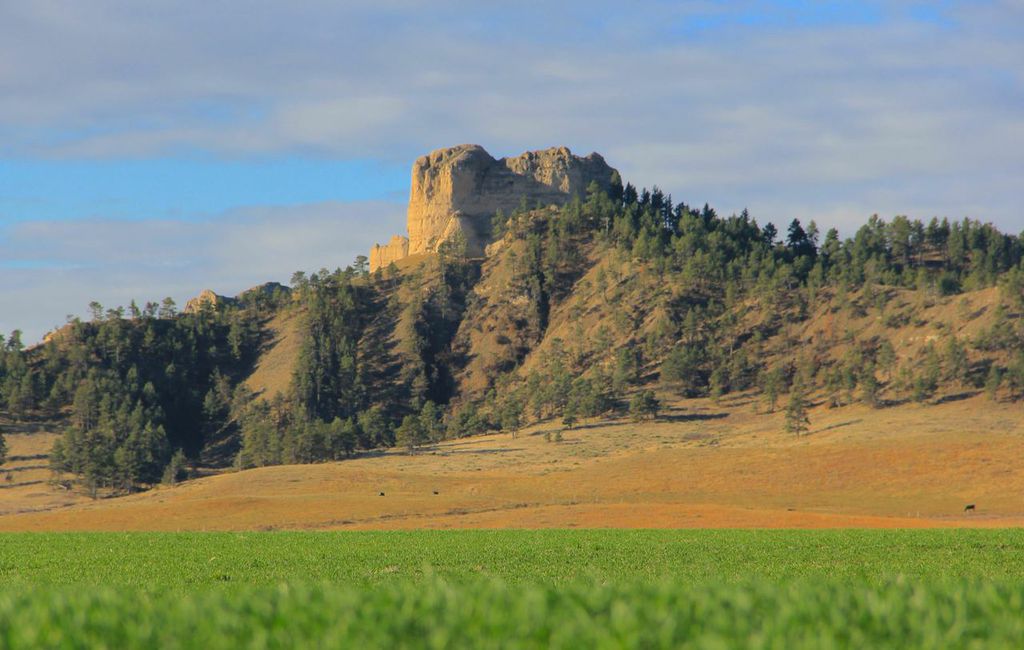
x=275, y=365
x=595, y=307
x=701, y=465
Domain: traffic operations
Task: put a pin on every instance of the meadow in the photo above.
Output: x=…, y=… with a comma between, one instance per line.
x=546, y=588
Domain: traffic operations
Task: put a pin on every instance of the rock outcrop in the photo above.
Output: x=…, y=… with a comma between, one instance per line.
x=456, y=191
x=382, y=256
x=206, y=297
x=265, y=291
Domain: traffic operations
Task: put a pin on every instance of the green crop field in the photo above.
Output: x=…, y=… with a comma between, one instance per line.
x=781, y=589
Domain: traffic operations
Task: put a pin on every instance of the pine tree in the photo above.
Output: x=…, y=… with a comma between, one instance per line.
x=569, y=412
x=797, y=420
x=643, y=406
x=886, y=358
x=869, y=386
x=430, y=422
x=992, y=382
x=409, y=434
x=375, y=428
x=510, y=416
x=956, y=362
x=770, y=385
x=176, y=469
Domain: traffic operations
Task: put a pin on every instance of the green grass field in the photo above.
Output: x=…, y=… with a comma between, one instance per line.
x=514, y=589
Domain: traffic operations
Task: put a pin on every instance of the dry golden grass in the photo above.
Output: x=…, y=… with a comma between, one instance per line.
x=24, y=478
x=702, y=465
x=273, y=371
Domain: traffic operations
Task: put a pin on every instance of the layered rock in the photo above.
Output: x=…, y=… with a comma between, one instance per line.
x=382, y=256
x=456, y=191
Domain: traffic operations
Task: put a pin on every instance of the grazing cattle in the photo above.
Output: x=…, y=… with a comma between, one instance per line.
x=436, y=492
x=382, y=494
x=969, y=507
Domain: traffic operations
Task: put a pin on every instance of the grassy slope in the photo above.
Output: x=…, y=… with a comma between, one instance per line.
x=24, y=477
x=273, y=371
x=702, y=465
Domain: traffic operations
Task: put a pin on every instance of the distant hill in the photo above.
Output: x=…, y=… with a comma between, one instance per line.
x=601, y=303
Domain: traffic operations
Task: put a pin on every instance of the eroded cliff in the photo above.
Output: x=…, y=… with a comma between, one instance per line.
x=456, y=191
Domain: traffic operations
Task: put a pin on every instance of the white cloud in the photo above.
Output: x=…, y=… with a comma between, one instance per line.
x=54, y=268
x=833, y=121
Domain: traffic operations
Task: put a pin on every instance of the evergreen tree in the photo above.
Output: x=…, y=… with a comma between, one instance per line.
x=176, y=470
x=770, y=386
x=644, y=406
x=430, y=422
x=956, y=364
x=993, y=382
x=869, y=386
x=375, y=428
x=797, y=420
x=569, y=413
x=410, y=433
x=510, y=416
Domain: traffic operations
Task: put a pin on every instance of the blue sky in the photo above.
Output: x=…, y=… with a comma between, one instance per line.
x=152, y=149
x=196, y=187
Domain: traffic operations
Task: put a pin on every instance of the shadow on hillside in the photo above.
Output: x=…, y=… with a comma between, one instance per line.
x=25, y=427
x=956, y=397
x=11, y=459
x=24, y=468
x=8, y=486
x=691, y=417
x=837, y=425
x=459, y=452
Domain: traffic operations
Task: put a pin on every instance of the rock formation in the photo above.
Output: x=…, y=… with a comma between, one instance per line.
x=457, y=190
x=382, y=256
x=267, y=290
x=205, y=297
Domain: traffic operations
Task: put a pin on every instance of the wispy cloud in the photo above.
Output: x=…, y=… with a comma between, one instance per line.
x=791, y=108
x=55, y=268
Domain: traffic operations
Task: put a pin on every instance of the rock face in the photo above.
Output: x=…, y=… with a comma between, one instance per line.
x=206, y=296
x=456, y=191
x=382, y=256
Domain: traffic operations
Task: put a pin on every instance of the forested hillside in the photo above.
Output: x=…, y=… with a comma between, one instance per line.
x=599, y=308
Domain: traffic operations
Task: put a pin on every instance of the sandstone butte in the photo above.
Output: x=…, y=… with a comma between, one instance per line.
x=458, y=190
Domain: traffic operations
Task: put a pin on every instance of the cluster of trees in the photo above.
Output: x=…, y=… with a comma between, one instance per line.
x=141, y=389
x=328, y=412
x=435, y=312
x=350, y=390
x=20, y=387
x=943, y=256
